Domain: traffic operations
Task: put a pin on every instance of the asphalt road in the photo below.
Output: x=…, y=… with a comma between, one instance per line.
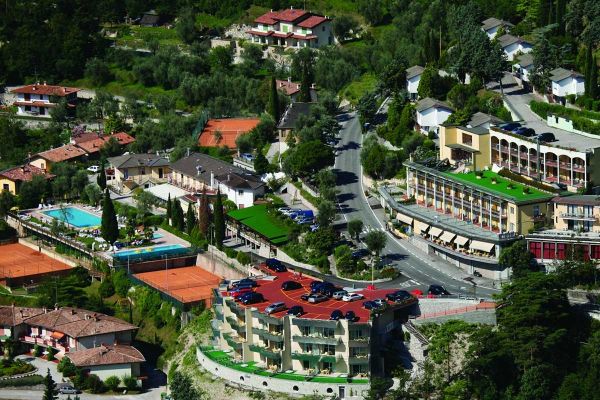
x=419, y=269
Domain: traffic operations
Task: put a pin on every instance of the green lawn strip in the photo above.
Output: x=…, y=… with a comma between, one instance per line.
x=501, y=187
x=258, y=219
x=356, y=89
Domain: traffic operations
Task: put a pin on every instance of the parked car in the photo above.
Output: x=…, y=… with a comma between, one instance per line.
x=238, y=292
x=275, y=307
x=313, y=284
x=244, y=282
x=477, y=274
x=317, y=298
x=523, y=131
x=93, y=168
x=251, y=298
x=304, y=221
x=314, y=227
x=339, y=294
x=67, y=389
x=510, y=126
x=438, y=290
x=284, y=210
x=374, y=304
x=296, y=311
x=353, y=297
x=336, y=315
x=350, y=316
x=247, y=157
x=291, y=285
x=546, y=137
x=322, y=286
x=275, y=265
x=330, y=291
x=400, y=296
x=305, y=296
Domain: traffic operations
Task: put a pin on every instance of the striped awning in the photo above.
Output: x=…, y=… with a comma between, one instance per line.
x=461, y=240
x=435, y=232
x=481, y=246
x=404, y=218
x=447, y=236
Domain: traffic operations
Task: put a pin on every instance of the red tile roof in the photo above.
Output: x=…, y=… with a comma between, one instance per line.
x=106, y=355
x=312, y=21
x=24, y=173
x=290, y=15
x=288, y=87
x=260, y=33
x=95, y=144
x=230, y=128
x=62, y=153
x=51, y=90
x=268, y=18
x=13, y=316
x=271, y=290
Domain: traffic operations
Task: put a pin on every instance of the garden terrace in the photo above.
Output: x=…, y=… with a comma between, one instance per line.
x=258, y=219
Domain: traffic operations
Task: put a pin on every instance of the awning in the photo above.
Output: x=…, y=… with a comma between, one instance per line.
x=461, y=240
x=435, y=232
x=447, y=237
x=462, y=147
x=481, y=246
x=57, y=335
x=420, y=227
x=404, y=218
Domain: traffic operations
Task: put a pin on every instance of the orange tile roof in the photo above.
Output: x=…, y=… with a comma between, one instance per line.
x=312, y=21
x=230, y=128
x=94, y=145
x=51, y=90
x=106, y=355
x=288, y=87
x=62, y=153
x=24, y=173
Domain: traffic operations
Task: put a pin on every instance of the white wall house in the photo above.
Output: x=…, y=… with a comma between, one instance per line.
x=431, y=114
x=513, y=45
x=413, y=77
x=565, y=83
x=491, y=26
x=292, y=28
x=522, y=69
x=242, y=189
x=39, y=99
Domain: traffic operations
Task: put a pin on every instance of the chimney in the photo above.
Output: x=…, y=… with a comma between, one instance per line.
x=72, y=311
x=228, y=177
x=289, y=79
x=187, y=153
x=313, y=86
x=45, y=84
x=212, y=179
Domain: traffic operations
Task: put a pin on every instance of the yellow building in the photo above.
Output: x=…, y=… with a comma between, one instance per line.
x=11, y=179
x=465, y=146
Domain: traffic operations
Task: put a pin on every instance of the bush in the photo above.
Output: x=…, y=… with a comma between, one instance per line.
x=94, y=384
x=6, y=231
x=571, y=98
x=130, y=382
x=231, y=253
x=323, y=264
x=112, y=383
x=107, y=288
x=243, y=258
x=37, y=350
x=66, y=367
x=518, y=178
x=24, y=381
x=121, y=282
x=153, y=220
x=14, y=367
x=388, y=272
x=50, y=351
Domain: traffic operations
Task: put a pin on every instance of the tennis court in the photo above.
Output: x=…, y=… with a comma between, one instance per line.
x=20, y=264
x=187, y=284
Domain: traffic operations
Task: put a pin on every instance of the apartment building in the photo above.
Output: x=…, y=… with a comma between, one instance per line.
x=38, y=99
x=138, y=170
x=469, y=147
x=293, y=28
x=575, y=232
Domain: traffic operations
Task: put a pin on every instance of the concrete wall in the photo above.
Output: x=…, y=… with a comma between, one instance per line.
x=48, y=253
x=217, y=263
x=294, y=388
x=105, y=371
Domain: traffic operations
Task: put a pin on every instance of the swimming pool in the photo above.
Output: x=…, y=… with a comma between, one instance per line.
x=75, y=216
x=151, y=252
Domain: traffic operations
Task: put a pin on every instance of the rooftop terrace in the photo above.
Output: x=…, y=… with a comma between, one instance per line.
x=258, y=219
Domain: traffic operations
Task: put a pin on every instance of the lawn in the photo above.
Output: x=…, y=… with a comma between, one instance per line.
x=139, y=36
x=258, y=219
x=501, y=186
x=356, y=89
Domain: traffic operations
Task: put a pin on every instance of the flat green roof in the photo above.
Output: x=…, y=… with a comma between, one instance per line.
x=500, y=188
x=251, y=367
x=258, y=219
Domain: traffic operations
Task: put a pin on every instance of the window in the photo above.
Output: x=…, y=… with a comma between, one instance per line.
x=27, y=97
x=582, y=251
x=512, y=210
x=587, y=226
x=329, y=349
x=512, y=227
x=536, y=210
x=323, y=28
x=595, y=252
x=27, y=108
x=536, y=249
x=5, y=186
x=305, y=330
x=561, y=251
x=467, y=139
x=240, y=192
x=142, y=171
x=549, y=250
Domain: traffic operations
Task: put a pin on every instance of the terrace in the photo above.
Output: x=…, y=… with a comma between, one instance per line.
x=258, y=219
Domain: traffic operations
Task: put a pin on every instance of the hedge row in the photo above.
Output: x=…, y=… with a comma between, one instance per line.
x=31, y=380
x=582, y=120
x=521, y=179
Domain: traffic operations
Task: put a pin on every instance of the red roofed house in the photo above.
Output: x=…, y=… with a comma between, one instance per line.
x=93, y=143
x=292, y=89
x=11, y=179
x=292, y=28
x=229, y=128
x=38, y=99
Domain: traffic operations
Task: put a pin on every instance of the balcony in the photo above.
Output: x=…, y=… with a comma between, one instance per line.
x=359, y=341
x=235, y=324
x=578, y=216
x=316, y=339
x=233, y=341
x=359, y=359
x=45, y=342
x=315, y=357
x=268, y=335
x=273, y=354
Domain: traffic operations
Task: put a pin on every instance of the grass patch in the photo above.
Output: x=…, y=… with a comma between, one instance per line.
x=139, y=36
x=204, y=21
x=309, y=197
x=356, y=89
x=258, y=219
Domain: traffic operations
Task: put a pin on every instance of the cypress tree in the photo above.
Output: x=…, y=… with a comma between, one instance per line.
x=178, y=217
x=593, y=85
x=219, y=222
x=204, y=214
x=589, y=59
x=50, y=390
x=101, y=178
x=169, y=209
x=274, y=101
x=109, y=227
x=190, y=219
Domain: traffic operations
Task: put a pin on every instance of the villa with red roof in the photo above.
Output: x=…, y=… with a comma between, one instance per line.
x=38, y=99
x=11, y=179
x=225, y=131
x=292, y=28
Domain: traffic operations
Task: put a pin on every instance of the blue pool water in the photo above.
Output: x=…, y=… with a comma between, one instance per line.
x=171, y=249
x=75, y=216
x=157, y=235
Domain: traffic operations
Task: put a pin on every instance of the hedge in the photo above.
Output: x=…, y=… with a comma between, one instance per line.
x=32, y=380
x=520, y=179
x=582, y=120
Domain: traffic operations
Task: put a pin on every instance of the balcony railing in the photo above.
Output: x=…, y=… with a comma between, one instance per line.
x=273, y=354
x=315, y=357
x=268, y=335
x=578, y=216
x=233, y=341
x=45, y=342
x=359, y=359
x=316, y=339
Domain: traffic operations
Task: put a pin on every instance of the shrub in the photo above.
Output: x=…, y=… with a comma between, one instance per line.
x=243, y=258
x=94, y=384
x=518, y=178
x=6, y=231
x=37, y=350
x=112, y=382
x=66, y=367
x=571, y=98
x=50, y=351
x=24, y=381
x=388, y=272
x=323, y=264
x=121, y=282
x=107, y=288
x=153, y=220
x=231, y=253
x=130, y=382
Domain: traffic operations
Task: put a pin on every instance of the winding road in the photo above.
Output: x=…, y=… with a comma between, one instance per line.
x=419, y=270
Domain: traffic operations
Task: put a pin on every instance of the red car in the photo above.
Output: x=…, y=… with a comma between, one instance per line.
x=237, y=293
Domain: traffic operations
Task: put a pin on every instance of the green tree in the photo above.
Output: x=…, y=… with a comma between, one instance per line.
x=375, y=241
x=343, y=25
x=204, y=213
x=219, y=219
x=545, y=59
x=144, y=202
x=32, y=192
x=393, y=77
x=101, y=178
x=50, y=390
x=517, y=257
x=7, y=201
x=367, y=108
x=186, y=29
x=178, y=217
x=112, y=383
x=97, y=71
x=183, y=389
x=106, y=288
x=303, y=68
x=220, y=58
x=169, y=213
x=326, y=213
x=93, y=194
x=273, y=108
x=427, y=82
x=190, y=219
x=261, y=164
x=109, y=226
x=307, y=158
x=355, y=227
